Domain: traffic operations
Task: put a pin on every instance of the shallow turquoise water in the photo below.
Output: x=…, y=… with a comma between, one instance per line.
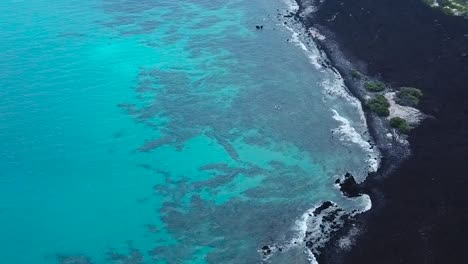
x=162, y=132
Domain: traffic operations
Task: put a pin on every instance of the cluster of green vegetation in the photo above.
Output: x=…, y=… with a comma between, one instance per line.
x=379, y=105
x=450, y=7
x=400, y=124
x=356, y=74
x=409, y=96
x=374, y=86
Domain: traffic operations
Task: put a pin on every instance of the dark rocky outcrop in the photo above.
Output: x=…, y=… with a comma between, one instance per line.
x=322, y=207
x=349, y=187
x=266, y=250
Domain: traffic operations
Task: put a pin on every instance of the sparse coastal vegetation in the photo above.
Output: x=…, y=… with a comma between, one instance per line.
x=450, y=7
x=408, y=113
x=409, y=96
x=374, y=86
x=379, y=105
x=356, y=74
x=400, y=124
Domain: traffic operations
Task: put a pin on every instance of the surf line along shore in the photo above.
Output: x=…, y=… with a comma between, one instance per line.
x=325, y=220
x=418, y=205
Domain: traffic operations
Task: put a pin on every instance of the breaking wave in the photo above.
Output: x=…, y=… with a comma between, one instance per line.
x=314, y=228
x=348, y=133
x=335, y=87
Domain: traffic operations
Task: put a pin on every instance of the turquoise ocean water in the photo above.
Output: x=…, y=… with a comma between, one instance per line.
x=150, y=131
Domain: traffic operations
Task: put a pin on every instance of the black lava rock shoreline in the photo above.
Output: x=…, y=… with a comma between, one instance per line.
x=420, y=208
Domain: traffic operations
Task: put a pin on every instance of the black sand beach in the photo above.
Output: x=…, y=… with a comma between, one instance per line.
x=420, y=210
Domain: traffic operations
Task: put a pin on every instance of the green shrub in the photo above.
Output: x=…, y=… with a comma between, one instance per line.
x=409, y=96
x=356, y=74
x=379, y=105
x=374, y=86
x=400, y=124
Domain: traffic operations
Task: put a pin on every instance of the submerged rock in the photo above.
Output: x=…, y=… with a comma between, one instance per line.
x=134, y=256
x=78, y=259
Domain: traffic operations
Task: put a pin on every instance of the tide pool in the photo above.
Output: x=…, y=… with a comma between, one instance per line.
x=164, y=131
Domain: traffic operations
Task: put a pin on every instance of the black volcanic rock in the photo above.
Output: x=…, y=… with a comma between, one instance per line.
x=419, y=210
x=322, y=207
x=266, y=250
x=349, y=187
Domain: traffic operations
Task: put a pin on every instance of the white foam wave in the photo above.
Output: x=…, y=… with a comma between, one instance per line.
x=300, y=226
x=315, y=227
x=311, y=257
x=348, y=133
x=365, y=203
x=292, y=5
x=336, y=88
x=306, y=224
x=315, y=33
x=313, y=56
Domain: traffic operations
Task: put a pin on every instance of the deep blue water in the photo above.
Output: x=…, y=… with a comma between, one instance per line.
x=139, y=131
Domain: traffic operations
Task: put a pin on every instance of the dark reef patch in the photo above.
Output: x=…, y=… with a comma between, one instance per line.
x=73, y=259
x=154, y=144
x=134, y=256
